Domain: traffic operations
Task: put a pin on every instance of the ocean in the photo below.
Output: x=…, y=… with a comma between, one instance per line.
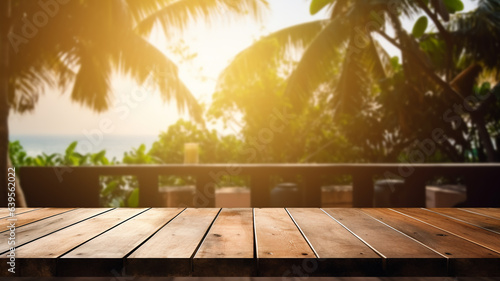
x=115, y=146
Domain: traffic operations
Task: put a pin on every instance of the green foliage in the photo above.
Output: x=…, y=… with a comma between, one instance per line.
x=18, y=156
x=169, y=148
x=119, y=191
x=434, y=48
x=138, y=156
x=272, y=132
x=420, y=27
x=454, y=6
x=381, y=106
x=116, y=191
x=133, y=199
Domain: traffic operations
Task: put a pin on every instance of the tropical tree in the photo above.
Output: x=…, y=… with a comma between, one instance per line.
x=259, y=108
x=79, y=43
x=437, y=70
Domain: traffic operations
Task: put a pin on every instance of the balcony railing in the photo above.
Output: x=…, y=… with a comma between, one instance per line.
x=79, y=186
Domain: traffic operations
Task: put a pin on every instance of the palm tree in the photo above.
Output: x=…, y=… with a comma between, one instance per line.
x=79, y=43
x=350, y=38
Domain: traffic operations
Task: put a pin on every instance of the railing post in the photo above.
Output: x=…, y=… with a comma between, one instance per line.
x=414, y=191
x=482, y=189
x=362, y=190
x=259, y=190
x=312, y=191
x=148, y=190
x=205, y=191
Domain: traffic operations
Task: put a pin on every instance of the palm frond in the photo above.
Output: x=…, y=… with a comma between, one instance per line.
x=83, y=45
x=146, y=64
x=477, y=33
x=28, y=85
x=91, y=86
x=177, y=14
x=339, y=8
x=408, y=8
x=268, y=52
x=141, y=9
x=317, y=60
x=381, y=61
x=355, y=82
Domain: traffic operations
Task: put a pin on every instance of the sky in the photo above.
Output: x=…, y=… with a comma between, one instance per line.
x=214, y=47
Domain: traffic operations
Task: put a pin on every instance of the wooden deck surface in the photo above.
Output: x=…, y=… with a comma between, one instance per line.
x=271, y=242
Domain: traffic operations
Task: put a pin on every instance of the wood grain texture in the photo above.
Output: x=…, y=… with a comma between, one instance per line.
x=490, y=212
x=105, y=253
x=403, y=256
x=228, y=248
x=462, y=254
x=465, y=230
x=341, y=253
x=36, y=215
x=38, y=258
x=41, y=228
x=475, y=219
x=56, y=244
x=5, y=212
x=295, y=242
x=280, y=246
x=169, y=251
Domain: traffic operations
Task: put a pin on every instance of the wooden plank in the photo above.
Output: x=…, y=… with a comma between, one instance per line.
x=280, y=247
x=341, y=253
x=465, y=257
x=169, y=251
x=33, y=231
x=475, y=219
x=38, y=229
x=38, y=258
x=105, y=253
x=465, y=230
x=60, y=242
x=5, y=212
x=490, y=212
x=228, y=248
x=29, y=217
x=403, y=255
x=327, y=235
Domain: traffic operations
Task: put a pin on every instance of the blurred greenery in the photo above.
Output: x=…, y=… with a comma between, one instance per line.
x=343, y=100
x=121, y=191
x=116, y=191
x=381, y=108
x=83, y=43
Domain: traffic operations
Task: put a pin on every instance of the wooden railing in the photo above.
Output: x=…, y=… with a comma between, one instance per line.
x=79, y=186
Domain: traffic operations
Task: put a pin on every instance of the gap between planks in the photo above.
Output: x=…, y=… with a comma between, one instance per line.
x=28, y=228
x=455, y=227
x=302, y=232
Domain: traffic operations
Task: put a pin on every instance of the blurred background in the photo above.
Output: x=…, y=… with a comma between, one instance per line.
x=321, y=81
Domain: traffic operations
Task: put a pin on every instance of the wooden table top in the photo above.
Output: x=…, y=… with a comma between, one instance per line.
x=282, y=242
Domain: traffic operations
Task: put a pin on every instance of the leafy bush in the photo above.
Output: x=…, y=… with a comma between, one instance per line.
x=116, y=191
